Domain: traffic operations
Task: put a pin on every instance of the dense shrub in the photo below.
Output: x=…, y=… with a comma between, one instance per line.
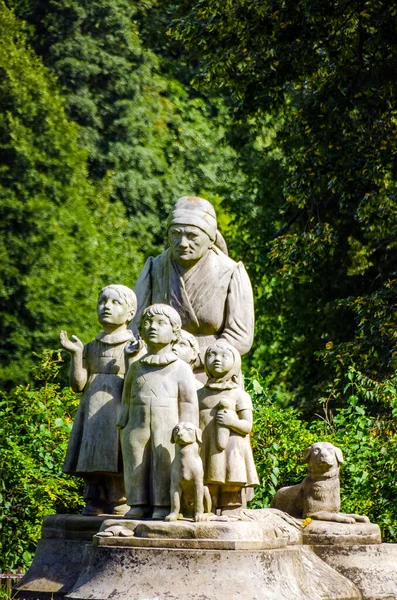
x=368, y=444
x=35, y=424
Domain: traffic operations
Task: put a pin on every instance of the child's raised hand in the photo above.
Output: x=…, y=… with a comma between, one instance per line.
x=73, y=345
x=228, y=418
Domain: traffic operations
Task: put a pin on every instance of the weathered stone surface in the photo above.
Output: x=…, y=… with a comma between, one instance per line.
x=326, y=532
x=159, y=392
x=221, y=531
x=188, y=544
x=73, y=527
x=97, y=369
x=230, y=566
x=59, y=556
x=226, y=422
x=373, y=568
x=169, y=574
x=211, y=292
x=189, y=495
x=55, y=569
x=282, y=523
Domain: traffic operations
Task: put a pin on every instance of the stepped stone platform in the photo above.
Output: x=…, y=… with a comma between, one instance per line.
x=293, y=573
x=264, y=555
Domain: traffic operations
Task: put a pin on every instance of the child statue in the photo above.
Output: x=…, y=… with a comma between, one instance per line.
x=187, y=348
x=159, y=392
x=226, y=422
x=98, y=370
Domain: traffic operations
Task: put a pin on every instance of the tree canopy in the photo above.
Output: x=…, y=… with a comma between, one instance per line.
x=287, y=124
x=315, y=85
x=141, y=128
x=61, y=239
x=96, y=146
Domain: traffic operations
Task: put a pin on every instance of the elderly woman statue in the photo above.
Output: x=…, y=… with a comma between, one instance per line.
x=210, y=291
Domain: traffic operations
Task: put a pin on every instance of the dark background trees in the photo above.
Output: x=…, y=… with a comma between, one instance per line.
x=282, y=113
x=322, y=77
x=57, y=228
x=142, y=129
x=96, y=144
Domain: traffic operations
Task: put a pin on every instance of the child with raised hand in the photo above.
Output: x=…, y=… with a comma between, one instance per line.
x=98, y=369
x=226, y=422
x=159, y=392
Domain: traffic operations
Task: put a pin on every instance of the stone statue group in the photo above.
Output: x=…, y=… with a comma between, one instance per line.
x=165, y=408
x=162, y=432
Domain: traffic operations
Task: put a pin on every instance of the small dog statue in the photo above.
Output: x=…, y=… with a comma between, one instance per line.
x=318, y=496
x=187, y=487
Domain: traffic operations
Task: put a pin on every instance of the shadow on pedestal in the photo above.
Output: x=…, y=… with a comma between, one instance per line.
x=59, y=557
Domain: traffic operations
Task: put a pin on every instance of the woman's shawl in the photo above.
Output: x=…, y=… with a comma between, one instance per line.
x=212, y=298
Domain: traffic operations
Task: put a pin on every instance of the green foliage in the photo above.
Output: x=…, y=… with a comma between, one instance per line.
x=61, y=239
x=82, y=205
x=35, y=425
x=278, y=440
x=303, y=176
x=140, y=127
x=368, y=444
x=321, y=245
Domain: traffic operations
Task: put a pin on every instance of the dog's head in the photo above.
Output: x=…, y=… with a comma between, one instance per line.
x=186, y=433
x=322, y=457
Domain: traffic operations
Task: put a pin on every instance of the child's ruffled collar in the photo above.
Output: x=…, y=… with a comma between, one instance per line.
x=219, y=384
x=117, y=337
x=159, y=360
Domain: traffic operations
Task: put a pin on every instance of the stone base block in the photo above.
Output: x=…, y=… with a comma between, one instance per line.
x=54, y=571
x=211, y=534
x=328, y=532
x=73, y=527
x=59, y=557
x=373, y=568
x=294, y=573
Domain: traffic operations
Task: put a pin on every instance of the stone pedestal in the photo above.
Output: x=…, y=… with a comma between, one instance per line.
x=267, y=557
x=329, y=533
x=293, y=573
x=373, y=568
x=59, y=556
x=211, y=560
x=356, y=552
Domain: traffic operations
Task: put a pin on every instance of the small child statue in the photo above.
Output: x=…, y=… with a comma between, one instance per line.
x=226, y=422
x=159, y=392
x=187, y=348
x=98, y=370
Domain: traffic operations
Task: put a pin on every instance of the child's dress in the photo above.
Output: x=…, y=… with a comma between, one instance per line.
x=94, y=443
x=233, y=466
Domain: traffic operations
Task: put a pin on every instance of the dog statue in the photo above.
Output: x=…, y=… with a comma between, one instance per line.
x=318, y=496
x=189, y=495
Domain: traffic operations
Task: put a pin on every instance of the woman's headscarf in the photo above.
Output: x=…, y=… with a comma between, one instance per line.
x=192, y=210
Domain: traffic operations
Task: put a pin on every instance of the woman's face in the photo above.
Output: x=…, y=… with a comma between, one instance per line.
x=188, y=244
x=219, y=362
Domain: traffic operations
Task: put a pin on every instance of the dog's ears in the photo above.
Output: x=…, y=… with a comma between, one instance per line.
x=199, y=438
x=306, y=455
x=174, y=431
x=339, y=455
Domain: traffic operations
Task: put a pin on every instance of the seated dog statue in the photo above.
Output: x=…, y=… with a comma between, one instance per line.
x=189, y=495
x=318, y=496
